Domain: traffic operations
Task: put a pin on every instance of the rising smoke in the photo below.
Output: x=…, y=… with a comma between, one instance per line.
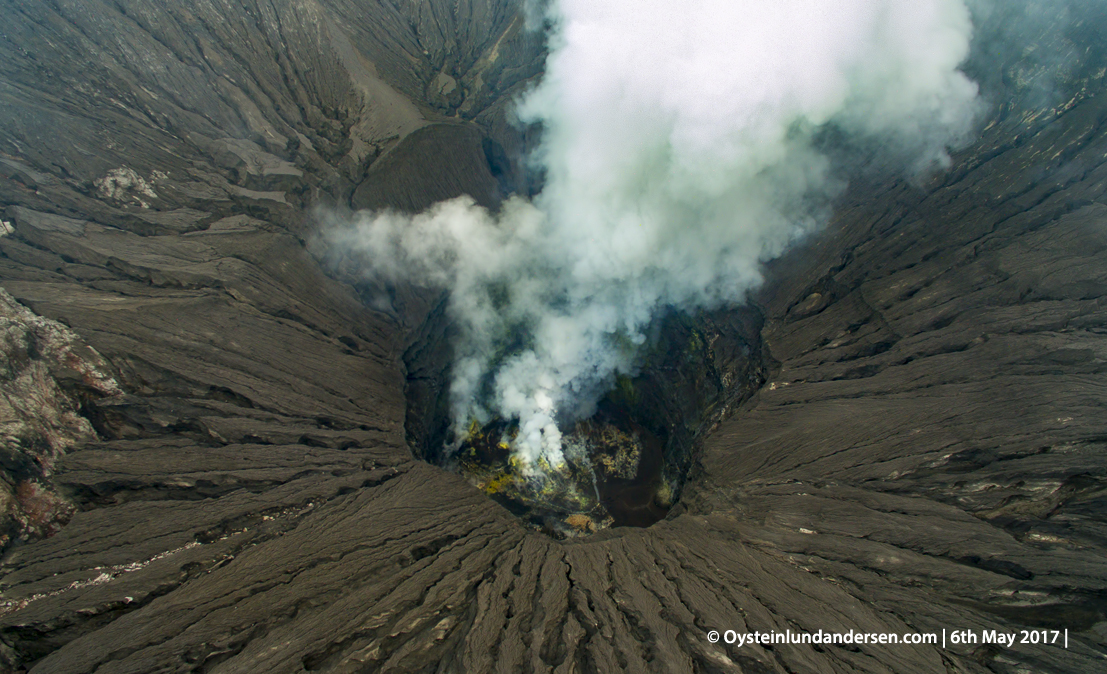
x=679, y=156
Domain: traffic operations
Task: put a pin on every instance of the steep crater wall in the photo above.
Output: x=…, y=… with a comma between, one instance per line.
x=928, y=454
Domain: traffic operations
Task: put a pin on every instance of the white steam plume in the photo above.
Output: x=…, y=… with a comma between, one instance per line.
x=678, y=156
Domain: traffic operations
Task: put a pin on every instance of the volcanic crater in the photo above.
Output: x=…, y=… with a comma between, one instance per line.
x=223, y=445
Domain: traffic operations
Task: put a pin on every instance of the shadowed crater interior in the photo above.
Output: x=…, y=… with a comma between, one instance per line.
x=626, y=465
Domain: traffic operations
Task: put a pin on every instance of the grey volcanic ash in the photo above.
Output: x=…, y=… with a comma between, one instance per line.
x=750, y=318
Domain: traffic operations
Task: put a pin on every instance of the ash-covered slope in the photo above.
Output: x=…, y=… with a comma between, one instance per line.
x=928, y=452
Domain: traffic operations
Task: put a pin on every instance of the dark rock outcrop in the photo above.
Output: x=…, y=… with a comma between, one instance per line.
x=48, y=381
x=926, y=453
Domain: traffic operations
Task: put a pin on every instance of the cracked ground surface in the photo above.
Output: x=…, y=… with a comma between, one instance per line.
x=928, y=451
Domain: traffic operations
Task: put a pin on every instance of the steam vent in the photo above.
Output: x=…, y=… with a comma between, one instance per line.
x=553, y=336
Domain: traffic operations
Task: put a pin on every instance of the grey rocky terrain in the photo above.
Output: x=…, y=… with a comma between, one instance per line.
x=224, y=479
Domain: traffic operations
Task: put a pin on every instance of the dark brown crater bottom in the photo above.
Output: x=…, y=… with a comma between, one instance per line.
x=627, y=464
x=611, y=476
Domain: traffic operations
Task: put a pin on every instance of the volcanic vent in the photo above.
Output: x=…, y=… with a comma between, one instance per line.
x=626, y=464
